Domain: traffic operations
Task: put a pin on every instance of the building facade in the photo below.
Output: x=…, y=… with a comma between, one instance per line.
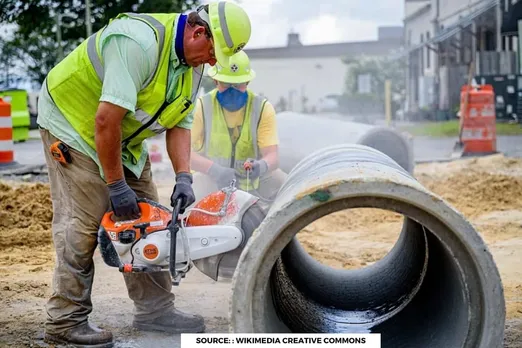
x=446, y=41
x=307, y=78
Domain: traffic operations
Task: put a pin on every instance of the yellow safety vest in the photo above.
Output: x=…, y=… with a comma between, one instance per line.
x=218, y=145
x=75, y=84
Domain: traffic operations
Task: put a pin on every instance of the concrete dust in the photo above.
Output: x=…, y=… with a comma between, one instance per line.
x=486, y=190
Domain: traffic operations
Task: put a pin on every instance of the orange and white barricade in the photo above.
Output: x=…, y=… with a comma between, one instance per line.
x=478, y=120
x=6, y=134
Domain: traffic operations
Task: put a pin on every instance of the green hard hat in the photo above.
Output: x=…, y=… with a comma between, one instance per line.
x=238, y=70
x=230, y=27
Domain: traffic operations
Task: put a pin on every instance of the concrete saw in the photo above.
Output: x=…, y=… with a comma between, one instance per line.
x=210, y=235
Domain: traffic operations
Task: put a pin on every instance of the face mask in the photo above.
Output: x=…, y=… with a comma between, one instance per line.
x=232, y=99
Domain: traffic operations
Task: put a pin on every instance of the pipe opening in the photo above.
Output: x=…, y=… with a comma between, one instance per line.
x=416, y=286
x=351, y=239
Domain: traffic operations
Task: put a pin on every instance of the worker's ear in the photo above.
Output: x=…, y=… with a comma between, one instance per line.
x=199, y=32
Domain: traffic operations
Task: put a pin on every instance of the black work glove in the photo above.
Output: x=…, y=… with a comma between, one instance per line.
x=259, y=168
x=223, y=176
x=183, y=190
x=124, y=201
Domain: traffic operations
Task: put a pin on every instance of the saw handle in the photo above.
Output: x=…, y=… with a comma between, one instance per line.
x=174, y=228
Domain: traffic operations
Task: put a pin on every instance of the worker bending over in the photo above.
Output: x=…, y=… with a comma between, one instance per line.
x=137, y=77
x=234, y=127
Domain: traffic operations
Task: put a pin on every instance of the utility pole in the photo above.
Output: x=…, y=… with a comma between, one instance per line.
x=88, y=23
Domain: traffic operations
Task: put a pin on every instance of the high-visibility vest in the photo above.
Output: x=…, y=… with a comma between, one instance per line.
x=75, y=84
x=218, y=145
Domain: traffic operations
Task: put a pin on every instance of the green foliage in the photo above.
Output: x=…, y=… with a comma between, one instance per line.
x=36, y=37
x=451, y=129
x=8, y=58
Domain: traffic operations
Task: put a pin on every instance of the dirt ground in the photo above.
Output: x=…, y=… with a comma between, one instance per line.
x=487, y=190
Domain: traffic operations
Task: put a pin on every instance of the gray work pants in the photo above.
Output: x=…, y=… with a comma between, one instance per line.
x=80, y=198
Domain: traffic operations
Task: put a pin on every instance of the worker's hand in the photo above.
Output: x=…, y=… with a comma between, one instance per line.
x=124, y=201
x=183, y=190
x=258, y=168
x=223, y=176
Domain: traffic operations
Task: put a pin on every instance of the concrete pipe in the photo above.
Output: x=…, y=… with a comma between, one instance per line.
x=302, y=134
x=437, y=287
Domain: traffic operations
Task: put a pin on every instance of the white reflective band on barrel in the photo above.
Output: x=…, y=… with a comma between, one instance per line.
x=6, y=122
x=96, y=61
x=6, y=145
x=255, y=117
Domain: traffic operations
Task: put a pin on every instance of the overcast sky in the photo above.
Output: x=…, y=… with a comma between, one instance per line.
x=319, y=21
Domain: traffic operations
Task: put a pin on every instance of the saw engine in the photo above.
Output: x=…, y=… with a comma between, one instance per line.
x=209, y=235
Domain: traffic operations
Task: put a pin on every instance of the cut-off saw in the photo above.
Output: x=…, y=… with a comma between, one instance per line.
x=210, y=235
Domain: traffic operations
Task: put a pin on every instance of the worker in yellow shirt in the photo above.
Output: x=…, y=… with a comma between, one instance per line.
x=233, y=128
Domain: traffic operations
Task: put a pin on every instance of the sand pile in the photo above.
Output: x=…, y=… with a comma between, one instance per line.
x=25, y=224
x=477, y=186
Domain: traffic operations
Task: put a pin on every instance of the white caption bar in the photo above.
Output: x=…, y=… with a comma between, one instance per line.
x=281, y=340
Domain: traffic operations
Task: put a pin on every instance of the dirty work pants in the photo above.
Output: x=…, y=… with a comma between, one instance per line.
x=269, y=184
x=80, y=198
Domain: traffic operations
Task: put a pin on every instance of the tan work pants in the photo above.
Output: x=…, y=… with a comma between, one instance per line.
x=80, y=198
x=269, y=184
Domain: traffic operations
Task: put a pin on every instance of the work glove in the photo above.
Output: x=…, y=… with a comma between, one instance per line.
x=124, y=201
x=257, y=168
x=183, y=190
x=223, y=176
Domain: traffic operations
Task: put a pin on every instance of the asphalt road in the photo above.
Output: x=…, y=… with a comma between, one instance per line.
x=425, y=149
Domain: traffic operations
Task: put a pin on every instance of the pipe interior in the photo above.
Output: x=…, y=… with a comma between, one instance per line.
x=416, y=296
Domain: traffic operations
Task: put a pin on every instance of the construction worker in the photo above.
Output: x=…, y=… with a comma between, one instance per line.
x=137, y=77
x=234, y=130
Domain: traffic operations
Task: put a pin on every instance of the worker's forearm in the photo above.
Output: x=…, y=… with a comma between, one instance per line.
x=178, y=148
x=200, y=163
x=108, y=147
x=272, y=159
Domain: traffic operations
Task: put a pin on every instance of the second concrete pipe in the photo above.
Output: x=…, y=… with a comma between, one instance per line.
x=302, y=134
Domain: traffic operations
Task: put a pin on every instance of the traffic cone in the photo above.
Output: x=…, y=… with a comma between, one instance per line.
x=6, y=137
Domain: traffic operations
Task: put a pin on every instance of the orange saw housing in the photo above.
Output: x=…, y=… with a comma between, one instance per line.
x=157, y=216
x=212, y=203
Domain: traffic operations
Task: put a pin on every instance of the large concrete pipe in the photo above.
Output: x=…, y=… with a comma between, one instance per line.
x=302, y=134
x=437, y=287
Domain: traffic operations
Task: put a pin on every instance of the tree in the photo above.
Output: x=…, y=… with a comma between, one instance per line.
x=36, y=39
x=8, y=58
x=379, y=69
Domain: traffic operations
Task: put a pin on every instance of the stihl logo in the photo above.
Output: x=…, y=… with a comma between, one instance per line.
x=150, y=251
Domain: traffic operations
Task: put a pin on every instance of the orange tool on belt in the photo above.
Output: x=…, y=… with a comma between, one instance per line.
x=60, y=152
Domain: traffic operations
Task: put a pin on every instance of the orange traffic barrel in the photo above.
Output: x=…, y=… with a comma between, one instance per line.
x=478, y=119
x=6, y=134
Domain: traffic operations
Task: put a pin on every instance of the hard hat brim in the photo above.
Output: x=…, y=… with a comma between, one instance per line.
x=231, y=79
x=221, y=57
